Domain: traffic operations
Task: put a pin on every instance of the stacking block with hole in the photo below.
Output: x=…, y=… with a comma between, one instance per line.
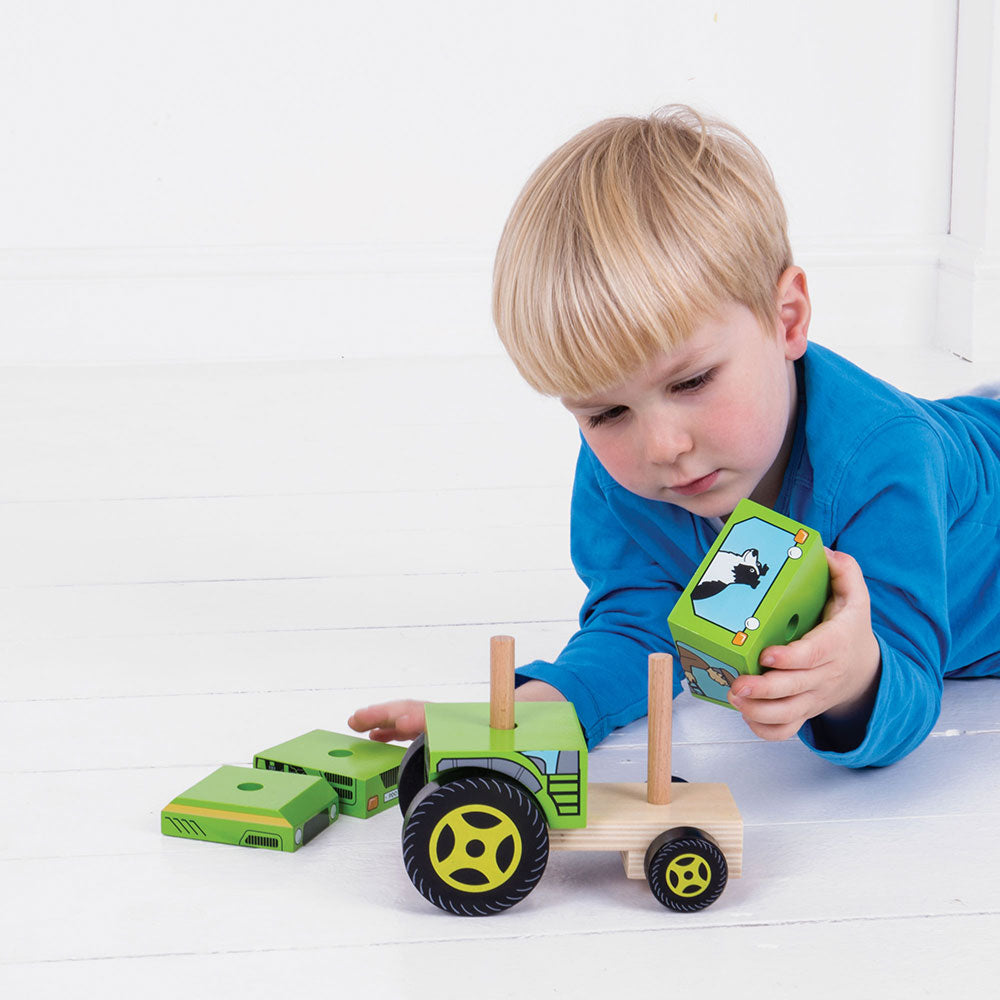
x=764, y=582
x=251, y=808
x=364, y=773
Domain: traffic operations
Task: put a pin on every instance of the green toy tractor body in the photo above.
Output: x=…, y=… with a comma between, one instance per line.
x=546, y=753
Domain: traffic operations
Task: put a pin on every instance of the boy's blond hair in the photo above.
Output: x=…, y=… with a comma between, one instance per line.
x=628, y=237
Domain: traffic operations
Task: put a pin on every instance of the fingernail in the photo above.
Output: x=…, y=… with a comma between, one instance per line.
x=744, y=692
x=766, y=660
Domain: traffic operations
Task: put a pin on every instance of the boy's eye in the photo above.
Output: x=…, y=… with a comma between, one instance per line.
x=693, y=384
x=606, y=416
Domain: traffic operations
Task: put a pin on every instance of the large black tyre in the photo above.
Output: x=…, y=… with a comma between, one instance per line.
x=412, y=773
x=474, y=846
x=686, y=869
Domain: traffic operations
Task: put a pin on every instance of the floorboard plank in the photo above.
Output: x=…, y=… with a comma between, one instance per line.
x=884, y=957
x=414, y=659
x=349, y=602
x=253, y=538
x=211, y=897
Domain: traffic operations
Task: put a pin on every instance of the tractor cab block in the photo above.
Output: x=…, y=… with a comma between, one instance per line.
x=764, y=582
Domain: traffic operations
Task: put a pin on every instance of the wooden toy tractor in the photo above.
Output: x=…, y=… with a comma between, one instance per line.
x=486, y=795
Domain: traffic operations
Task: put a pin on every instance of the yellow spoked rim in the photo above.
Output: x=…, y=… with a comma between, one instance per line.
x=688, y=875
x=475, y=848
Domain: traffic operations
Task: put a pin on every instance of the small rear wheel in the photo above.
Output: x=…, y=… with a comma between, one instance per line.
x=686, y=869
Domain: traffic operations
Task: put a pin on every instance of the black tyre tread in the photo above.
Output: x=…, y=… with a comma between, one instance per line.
x=412, y=773
x=682, y=841
x=529, y=874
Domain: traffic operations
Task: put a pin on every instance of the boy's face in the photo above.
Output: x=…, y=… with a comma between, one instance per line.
x=706, y=425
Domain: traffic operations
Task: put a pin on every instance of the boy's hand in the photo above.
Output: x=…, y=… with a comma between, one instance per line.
x=395, y=720
x=405, y=720
x=832, y=670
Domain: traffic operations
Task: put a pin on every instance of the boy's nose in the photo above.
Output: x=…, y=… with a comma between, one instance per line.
x=664, y=443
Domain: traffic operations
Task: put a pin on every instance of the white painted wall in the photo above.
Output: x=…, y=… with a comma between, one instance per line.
x=968, y=319
x=238, y=179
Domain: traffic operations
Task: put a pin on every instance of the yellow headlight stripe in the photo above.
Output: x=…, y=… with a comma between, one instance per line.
x=254, y=818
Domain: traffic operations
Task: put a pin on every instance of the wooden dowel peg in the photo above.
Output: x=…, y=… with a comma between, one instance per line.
x=661, y=696
x=502, y=682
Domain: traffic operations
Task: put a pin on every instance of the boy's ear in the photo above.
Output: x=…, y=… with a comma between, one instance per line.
x=794, y=312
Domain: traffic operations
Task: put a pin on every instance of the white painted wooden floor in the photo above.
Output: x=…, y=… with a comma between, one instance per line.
x=202, y=561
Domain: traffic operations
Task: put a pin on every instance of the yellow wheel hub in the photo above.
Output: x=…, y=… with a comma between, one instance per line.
x=688, y=875
x=475, y=848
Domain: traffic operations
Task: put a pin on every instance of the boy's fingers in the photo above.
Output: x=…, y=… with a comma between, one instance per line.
x=383, y=733
x=772, y=732
x=841, y=564
x=847, y=582
x=386, y=716
x=772, y=686
x=364, y=719
x=780, y=712
x=386, y=735
x=394, y=720
x=802, y=654
x=819, y=645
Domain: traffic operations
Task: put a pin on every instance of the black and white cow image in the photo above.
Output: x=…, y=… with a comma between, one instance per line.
x=728, y=568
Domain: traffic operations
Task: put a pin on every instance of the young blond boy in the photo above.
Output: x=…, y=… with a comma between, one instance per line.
x=645, y=278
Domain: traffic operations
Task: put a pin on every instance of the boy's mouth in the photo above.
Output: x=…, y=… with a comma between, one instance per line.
x=696, y=486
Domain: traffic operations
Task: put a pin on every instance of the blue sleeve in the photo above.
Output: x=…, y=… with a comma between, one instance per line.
x=603, y=668
x=893, y=502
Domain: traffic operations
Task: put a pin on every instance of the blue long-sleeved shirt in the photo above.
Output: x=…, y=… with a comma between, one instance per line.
x=909, y=487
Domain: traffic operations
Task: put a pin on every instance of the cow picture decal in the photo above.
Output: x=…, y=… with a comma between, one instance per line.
x=728, y=568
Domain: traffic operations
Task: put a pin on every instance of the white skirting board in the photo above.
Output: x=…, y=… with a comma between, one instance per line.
x=968, y=315
x=329, y=303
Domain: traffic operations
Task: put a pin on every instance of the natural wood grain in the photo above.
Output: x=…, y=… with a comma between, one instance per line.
x=620, y=819
x=661, y=698
x=502, y=682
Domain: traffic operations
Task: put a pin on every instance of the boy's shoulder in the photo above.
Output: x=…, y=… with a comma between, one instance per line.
x=837, y=387
x=848, y=408
x=861, y=431
x=844, y=398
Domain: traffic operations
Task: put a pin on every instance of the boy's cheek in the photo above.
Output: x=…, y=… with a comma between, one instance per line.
x=620, y=466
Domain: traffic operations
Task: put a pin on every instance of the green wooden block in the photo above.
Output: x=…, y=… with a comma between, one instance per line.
x=763, y=583
x=365, y=774
x=545, y=752
x=244, y=806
